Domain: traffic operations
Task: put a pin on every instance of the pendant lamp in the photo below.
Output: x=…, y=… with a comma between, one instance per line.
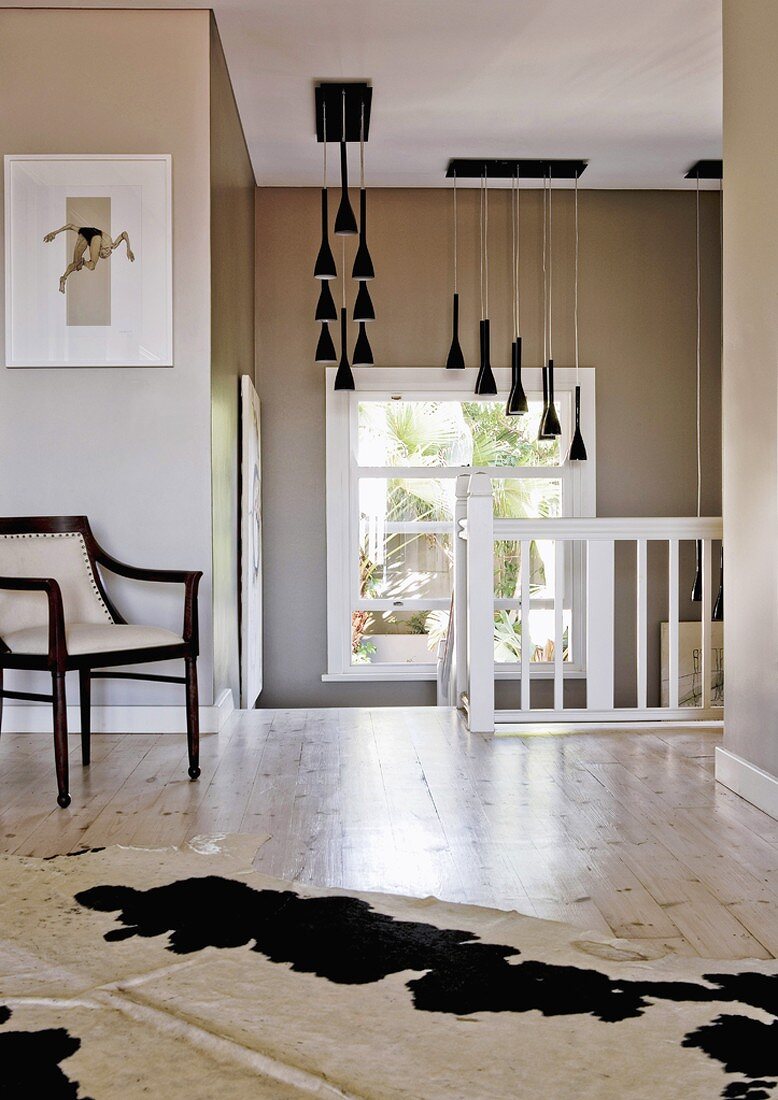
x=549, y=421
x=363, y=263
x=696, y=592
x=325, y=348
x=718, y=607
x=363, y=305
x=456, y=360
x=577, y=452
x=363, y=353
x=344, y=379
x=326, y=310
x=542, y=436
x=485, y=383
x=345, y=222
x=324, y=267
x=517, y=398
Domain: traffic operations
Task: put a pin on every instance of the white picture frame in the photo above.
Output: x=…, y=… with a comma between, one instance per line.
x=100, y=299
x=251, y=619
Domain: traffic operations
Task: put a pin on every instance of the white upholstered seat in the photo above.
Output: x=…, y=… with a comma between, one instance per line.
x=92, y=638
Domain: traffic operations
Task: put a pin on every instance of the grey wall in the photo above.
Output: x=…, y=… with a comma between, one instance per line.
x=637, y=311
x=128, y=447
x=751, y=381
x=232, y=350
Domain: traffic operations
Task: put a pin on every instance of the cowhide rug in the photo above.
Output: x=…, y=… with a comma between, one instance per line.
x=184, y=974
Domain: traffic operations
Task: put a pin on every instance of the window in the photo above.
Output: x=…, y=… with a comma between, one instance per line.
x=395, y=447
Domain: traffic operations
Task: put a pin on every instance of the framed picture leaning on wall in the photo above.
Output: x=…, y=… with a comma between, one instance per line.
x=88, y=261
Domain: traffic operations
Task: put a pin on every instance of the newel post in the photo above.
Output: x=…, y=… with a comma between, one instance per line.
x=460, y=588
x=480, y=604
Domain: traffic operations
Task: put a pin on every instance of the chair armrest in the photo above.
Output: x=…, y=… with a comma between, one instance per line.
x=57, y=644
x=189, y=578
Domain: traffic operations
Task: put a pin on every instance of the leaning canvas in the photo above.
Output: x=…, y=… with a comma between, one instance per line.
x=251, y=545
x=88, y=261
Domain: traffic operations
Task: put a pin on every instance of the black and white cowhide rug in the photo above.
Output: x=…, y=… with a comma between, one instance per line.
x=182, y=973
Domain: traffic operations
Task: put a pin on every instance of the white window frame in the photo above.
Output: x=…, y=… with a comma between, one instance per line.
x=579, y=481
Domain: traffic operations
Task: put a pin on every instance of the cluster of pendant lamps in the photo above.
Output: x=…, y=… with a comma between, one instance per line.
x=343, y=115
x=515, y=171
x=709, y=170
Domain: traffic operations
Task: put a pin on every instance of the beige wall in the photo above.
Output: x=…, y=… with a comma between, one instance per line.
x=232, y=349
x=750, y=427
x=637, y=328
x=129, y=447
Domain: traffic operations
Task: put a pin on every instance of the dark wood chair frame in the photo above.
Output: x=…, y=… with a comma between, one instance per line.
x=58, y=661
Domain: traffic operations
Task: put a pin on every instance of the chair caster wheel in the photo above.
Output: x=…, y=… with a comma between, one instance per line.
x=63, y=801
x=194, y=773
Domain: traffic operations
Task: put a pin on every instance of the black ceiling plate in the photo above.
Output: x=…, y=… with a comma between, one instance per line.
x=329, y=99
x=507, y=169
x=706, y=170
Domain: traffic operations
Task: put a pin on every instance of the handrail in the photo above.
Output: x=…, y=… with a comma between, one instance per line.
x=591, y=529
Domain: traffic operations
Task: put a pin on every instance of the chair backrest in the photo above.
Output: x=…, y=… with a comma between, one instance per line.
x=46, y=552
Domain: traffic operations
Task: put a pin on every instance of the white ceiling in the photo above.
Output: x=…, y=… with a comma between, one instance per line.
x=634, y=86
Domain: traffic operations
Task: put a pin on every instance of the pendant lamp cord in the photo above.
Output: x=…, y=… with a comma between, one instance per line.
x=513, y=252
x=486, y=241
x=550, y=253
x=518, y=252
x=343, y=270
x=481, y=220
x=545, y=277
x=455, y=233
x=699, y=344
x=575, y=297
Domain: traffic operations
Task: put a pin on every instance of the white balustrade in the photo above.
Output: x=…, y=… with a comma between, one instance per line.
x=473, y=674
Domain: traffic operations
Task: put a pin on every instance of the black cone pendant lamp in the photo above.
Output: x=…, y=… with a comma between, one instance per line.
x=517, y=398
x=577, y=445
x=485, y=383
x=345, y=222
x=549, y=421
x=718, y=607
x=456, y=360
x=363, y=305
x=326, y=310
x=363, y=353
x=344, y=379
x=324, y=267
x=325, y=348
x=363, y=264
x=577, y=452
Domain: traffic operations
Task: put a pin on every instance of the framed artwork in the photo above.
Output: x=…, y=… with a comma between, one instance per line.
x=251, y=546
x=88, y=261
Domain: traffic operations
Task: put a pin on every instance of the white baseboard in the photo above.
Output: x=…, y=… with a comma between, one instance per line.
x=126, y=719
x=756, y=786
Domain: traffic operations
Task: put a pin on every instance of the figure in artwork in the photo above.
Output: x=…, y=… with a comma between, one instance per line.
x=92, y=245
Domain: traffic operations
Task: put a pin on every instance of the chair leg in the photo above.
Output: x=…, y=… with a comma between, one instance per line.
x=192, y=717
x=85, y=698
x=60, y=737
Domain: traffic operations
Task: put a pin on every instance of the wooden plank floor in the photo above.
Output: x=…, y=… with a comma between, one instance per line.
x=614, y=832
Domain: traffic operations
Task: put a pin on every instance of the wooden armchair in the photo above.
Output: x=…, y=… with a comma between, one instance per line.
x=56, y=616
